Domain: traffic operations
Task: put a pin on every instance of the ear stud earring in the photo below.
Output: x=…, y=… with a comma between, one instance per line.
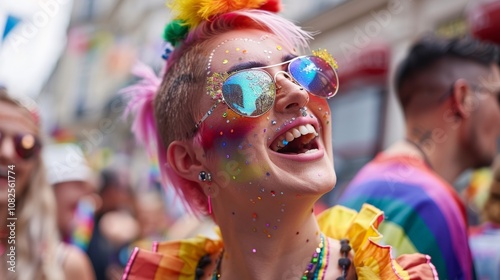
x=205, y=176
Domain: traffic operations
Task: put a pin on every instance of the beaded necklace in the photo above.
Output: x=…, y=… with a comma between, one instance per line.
x=315, y=270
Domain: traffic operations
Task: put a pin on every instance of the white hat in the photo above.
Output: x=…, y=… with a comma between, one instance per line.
x=66, y=163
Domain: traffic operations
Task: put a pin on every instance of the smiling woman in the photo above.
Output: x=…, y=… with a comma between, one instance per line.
x=31, y=247
x=242, y=130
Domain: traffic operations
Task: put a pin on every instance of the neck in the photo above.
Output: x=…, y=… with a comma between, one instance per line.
x=442, y=154
x=255, y=239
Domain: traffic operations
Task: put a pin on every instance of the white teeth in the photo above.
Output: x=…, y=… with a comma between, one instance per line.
x=303, y=130
x=311, y=151
x=294, y=133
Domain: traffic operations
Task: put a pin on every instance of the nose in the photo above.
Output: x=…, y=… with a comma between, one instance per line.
x=290, y=96
x=7, y=150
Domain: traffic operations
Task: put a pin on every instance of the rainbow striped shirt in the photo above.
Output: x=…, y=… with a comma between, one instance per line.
x=423, y=213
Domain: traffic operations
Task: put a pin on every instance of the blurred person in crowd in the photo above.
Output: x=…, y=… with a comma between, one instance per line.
x=485, y=239
x=74, y=186
x=115, y=222
x=30, y=245
x=449, y=92
x=152, y=216
x=241, y=127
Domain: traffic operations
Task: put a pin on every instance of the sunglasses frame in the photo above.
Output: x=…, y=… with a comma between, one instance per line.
x=217, y=80
x=17, y=139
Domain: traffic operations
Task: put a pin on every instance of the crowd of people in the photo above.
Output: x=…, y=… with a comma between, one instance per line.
x=241, y=128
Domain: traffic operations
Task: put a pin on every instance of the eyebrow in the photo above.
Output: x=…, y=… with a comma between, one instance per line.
x=259, y=65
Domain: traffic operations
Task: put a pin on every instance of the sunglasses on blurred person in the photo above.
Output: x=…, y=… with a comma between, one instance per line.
x=477, y=88
x=26, y=145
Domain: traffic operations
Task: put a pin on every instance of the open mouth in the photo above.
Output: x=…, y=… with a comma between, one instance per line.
x=3, y=173
x=297, y=140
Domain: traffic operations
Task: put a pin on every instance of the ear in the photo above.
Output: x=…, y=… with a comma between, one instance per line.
x=461, y=102
x=182, y=159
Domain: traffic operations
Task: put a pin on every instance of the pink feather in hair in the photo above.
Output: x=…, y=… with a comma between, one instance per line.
x=142, y=95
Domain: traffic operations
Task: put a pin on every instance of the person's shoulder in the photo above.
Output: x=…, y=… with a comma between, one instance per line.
x=76, y=264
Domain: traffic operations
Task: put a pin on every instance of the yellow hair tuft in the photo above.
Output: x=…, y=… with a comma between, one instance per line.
x=192, y=12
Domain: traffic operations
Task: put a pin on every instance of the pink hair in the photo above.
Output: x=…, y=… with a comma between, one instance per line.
x=144, y=92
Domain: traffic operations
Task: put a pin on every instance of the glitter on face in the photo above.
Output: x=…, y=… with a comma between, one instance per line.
x=224, y=144
x=224, y=115
x=254, y=250
x=254, y=217
x=273, y=122
x=273, y=193
x=275, y=227
x=227, y=51
x=225, y=61
x=279, y=48
x=232, y=130
x=268, y=174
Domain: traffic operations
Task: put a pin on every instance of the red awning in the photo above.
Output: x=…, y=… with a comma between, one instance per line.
x=484, y=21
x=369, y=65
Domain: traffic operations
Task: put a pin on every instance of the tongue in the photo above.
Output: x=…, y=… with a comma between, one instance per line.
x=297, y=146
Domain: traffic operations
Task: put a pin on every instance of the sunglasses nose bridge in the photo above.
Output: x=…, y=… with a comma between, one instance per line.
x=287, y=76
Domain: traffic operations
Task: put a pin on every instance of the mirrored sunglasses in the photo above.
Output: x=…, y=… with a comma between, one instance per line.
x=252, y=92
x=25, y=144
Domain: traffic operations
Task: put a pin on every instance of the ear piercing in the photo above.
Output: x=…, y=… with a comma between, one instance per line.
x=205, y=176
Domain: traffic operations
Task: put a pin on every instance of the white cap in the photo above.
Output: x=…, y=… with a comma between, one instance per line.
x=66, y=163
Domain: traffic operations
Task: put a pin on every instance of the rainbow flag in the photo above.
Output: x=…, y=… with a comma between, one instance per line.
x=423, y=213
x=84, y=219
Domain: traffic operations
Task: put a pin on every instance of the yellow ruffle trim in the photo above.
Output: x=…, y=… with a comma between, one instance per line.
x=178, y=259
x=371, y=260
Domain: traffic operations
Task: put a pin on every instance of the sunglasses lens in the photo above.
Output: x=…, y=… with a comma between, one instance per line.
x=315, y=75
x=26, y=145
x=250, y=93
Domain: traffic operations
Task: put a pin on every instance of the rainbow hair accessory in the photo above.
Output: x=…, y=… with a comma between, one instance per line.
x=190, y=13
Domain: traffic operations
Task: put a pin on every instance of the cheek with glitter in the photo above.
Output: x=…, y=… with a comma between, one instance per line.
x=233, y=129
